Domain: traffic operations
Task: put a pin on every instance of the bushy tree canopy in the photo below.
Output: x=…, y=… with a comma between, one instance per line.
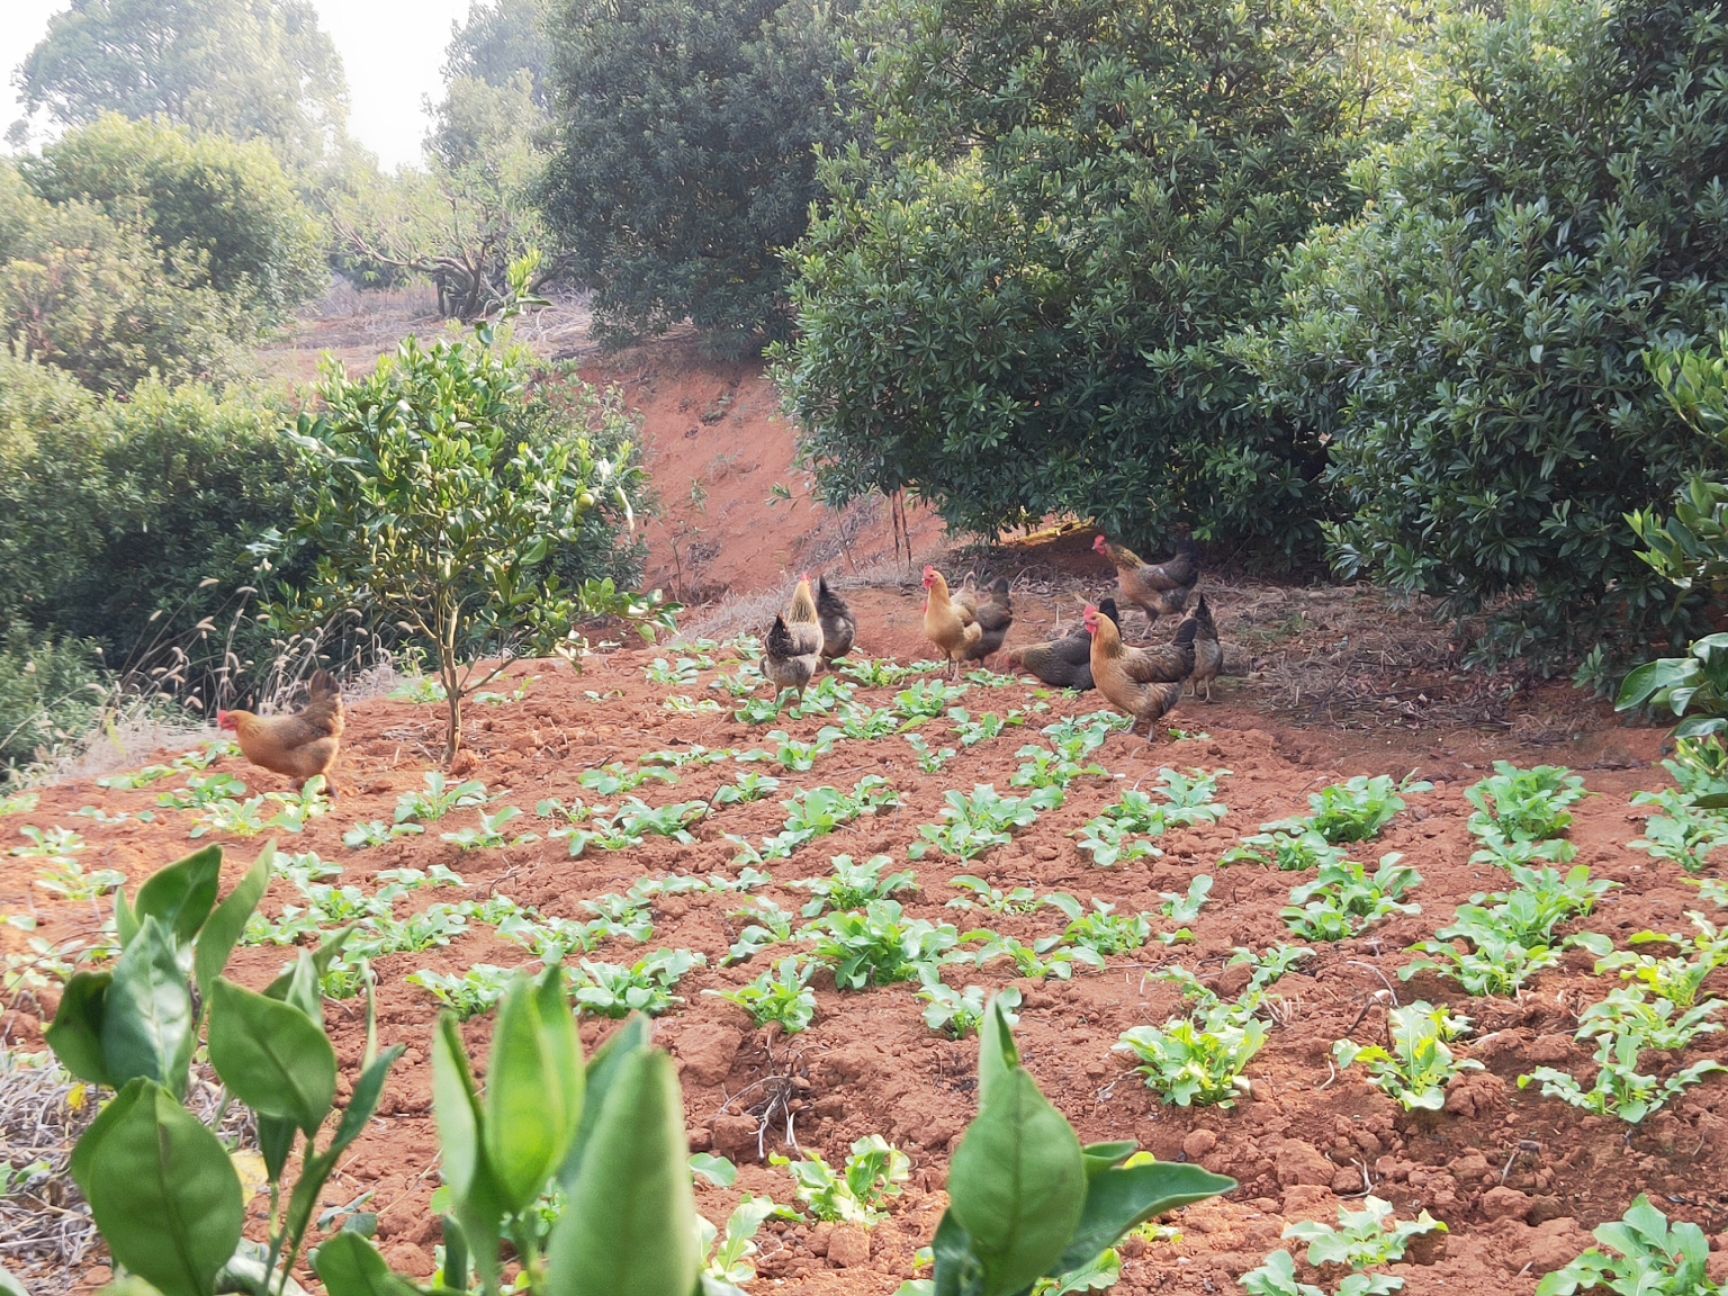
x=227, y=206
x=247, y=68
x=97, y=298
x=1473, y=345
x=684, y=158
x=1018, y=312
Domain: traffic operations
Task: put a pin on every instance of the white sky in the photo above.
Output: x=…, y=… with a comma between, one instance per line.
x=392, y=51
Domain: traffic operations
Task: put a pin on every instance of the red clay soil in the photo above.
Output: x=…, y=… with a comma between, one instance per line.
x=1519, y=1178
x=716, y=446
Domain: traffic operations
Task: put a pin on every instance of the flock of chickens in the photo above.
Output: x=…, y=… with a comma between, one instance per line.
x=967, y=625
x=818, y=626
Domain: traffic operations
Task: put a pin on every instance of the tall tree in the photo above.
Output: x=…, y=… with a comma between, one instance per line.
x=684, y=161
x=500, y=39
x=1473, y=346
x=228, y=207
x=1017, y=312
x=247, y=68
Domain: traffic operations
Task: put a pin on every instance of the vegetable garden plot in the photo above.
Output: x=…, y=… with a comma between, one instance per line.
x=1214, y=951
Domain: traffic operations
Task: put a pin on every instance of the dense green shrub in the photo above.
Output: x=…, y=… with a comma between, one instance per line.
x=1473, y=345
x=96, y=298
x=50, y=689
x=119, y=512
x=683, y=163
x=205, y=200
x=1689, y=550
x=1019, y=313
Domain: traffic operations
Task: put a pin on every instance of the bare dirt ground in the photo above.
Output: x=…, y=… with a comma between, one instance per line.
x=1517, y=1177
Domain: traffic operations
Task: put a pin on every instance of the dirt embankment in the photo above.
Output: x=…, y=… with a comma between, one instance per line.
x=737, y=514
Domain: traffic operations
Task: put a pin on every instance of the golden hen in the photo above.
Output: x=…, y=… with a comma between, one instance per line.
x=1144, y=682
x=302, y=745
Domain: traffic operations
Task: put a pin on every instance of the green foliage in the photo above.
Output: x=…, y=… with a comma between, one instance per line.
x=1418, y=1064
x=95, y=298
x=854, y=885
x=1363, y=1239
x=879, y=945
x=959, y=1013
x=1027, y=1201
x=1065, y=335
x=160, y=1184
x=782, y=995
x=859, y=1192
x=1288, y=850
x=1197, y=1060
x=684, y=161
x=1472, y=341
x=611, y=990
x=1355, y=810
x=204, y=200
x=445, y=501
x=1619, y=1088
x=251, y=71
x=51, y=689
x=132, y=521
x=1344, y=899
x=1524, y=805
x=1641, y=1253
x=976, y=823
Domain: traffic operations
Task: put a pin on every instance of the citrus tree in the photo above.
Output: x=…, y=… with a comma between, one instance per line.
x=444, y=505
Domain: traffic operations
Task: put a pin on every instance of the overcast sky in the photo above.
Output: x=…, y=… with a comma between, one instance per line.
x=391, y=49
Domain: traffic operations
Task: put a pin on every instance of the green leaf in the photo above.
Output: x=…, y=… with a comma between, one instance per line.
x=161, y=1188
x=629, y=1228
x=147, y=1024
x=533, y=1087
x=997, y=1052
x=479, y=1202
x=271, y=1056
x=1118, y=1199
x=349, y=1265
x=75, y=1034
x=1017, y=1183
x=181, y=895
x=221, y=931
x=603, y=1069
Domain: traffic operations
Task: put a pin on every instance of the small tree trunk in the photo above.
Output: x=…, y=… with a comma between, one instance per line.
x=453, y=730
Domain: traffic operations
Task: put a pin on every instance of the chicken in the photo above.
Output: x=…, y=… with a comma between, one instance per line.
x=1157, y=589
x=1065, y=662
x=793, y=648
x=994, y=614
x=302, y=745
x=1144, y=682
x=1208, y=652
x=839, y=626
x=963, y=627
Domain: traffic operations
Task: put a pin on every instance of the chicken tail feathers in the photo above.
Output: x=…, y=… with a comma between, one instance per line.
x=323, y=687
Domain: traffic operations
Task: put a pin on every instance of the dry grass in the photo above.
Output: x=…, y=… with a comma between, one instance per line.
x=44, y=1223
